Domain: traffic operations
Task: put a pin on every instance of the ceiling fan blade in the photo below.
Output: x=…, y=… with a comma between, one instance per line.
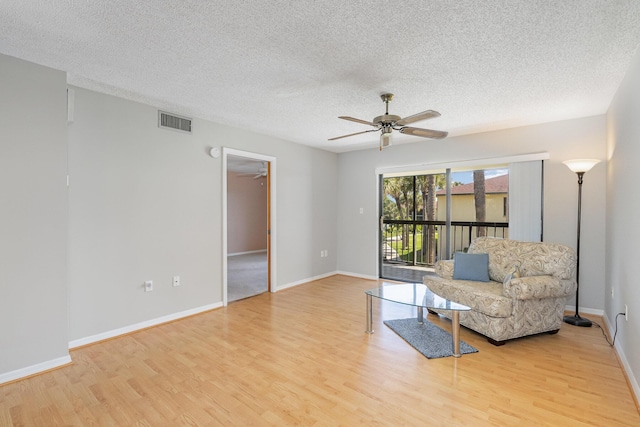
x=353, y=119
x=425, y=133
x=352, y=134
x=429, y=114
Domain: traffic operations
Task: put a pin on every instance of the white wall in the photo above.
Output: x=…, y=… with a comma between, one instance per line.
x=580, y=138
x=33, y=218
x=623, y=229
x=145, y=204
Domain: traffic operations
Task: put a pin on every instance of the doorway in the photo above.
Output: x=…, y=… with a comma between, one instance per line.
x=248, y=252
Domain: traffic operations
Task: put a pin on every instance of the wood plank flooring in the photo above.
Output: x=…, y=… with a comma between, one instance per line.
x=301, y=357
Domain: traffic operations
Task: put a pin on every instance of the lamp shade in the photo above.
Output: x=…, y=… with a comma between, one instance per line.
x=581, y=165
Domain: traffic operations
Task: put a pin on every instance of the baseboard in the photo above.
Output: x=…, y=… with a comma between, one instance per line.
x=247, y=252
x=139, y=326
x=32, y=370
x=631, y=379
x=359, y=276
x=585, y=310
x=303, y=281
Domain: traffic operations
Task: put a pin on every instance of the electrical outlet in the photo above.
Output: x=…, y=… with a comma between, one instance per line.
x=148, y=286
x=626, y=313
x=176, y=281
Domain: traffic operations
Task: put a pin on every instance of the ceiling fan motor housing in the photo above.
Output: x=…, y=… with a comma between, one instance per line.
x=386, y=119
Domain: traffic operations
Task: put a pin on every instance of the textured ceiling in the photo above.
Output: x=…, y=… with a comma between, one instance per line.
x=290, y=68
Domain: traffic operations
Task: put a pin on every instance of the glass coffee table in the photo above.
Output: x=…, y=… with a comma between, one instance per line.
x=417, y=295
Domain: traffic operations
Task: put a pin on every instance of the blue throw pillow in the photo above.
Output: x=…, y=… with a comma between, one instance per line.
x=471, y=267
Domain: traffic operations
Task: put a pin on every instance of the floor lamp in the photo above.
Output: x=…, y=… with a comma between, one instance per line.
x=580, y=167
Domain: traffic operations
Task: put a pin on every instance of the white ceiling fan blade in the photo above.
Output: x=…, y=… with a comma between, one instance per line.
x=429, y=114
x=352, y=134
x=425, y=133
x=353, y=119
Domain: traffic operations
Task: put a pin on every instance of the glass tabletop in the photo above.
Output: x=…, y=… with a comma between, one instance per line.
x=414, y=294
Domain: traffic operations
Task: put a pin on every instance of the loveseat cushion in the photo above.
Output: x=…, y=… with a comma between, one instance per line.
x=538, y=287
x=484, y=297
x=530, y=258
x=501, y=258
x=444, y=268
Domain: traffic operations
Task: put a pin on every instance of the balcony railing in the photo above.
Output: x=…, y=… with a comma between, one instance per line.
x=424, y=242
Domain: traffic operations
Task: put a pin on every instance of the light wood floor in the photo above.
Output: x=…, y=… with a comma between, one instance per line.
x=301, y=357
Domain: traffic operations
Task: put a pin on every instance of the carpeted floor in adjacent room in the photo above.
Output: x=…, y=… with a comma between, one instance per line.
x=247, y=275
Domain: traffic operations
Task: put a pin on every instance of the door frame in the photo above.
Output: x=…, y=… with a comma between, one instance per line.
x=271, y=215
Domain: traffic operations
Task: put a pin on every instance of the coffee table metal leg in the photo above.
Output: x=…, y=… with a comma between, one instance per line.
x=369, y=315
x=455, y=332
x=420, y=315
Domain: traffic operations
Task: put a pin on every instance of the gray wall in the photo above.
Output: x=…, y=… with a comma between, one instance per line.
x=33, y=215
x=146, y=204
x=580, y=138
x=623, y=229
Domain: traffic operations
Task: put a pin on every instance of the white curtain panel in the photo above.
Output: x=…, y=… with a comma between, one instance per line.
x=525, y=201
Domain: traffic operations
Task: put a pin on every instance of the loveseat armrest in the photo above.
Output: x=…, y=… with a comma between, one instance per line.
x=444, y=268
x=537, y=287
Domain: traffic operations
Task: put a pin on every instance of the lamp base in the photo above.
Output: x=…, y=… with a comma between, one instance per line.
x=576, y=320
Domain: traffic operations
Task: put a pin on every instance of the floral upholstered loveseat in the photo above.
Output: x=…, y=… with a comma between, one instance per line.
x=526, y=294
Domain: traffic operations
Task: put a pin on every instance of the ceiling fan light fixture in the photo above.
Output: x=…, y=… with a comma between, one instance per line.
x=385, y=137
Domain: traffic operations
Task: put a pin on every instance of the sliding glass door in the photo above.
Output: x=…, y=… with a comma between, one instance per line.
x=424, y=218
x=409, y=226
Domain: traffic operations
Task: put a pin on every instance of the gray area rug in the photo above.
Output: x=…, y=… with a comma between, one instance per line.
x=428, y=339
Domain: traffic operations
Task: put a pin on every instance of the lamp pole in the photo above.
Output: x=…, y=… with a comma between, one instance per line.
x=580, y=167
x=576, y=320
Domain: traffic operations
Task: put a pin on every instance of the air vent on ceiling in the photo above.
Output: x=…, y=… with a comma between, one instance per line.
x=171, y=121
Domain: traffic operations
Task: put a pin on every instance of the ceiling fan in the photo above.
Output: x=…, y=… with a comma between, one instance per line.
x=262, y=172
x=387, y=123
